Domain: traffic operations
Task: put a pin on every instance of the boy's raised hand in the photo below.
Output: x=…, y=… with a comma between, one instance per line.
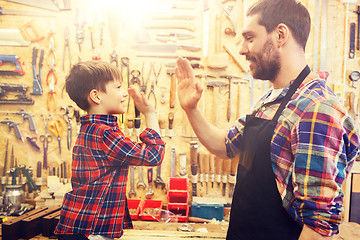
x=141, y=102
x=189, y=90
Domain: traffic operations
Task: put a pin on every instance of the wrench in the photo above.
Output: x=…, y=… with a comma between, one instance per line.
x=141, y=182
x=132, y=182
x=158, y=179
x=150, y=191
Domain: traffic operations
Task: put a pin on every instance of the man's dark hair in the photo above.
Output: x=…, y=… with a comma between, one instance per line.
x=289, y=12
x=89, y=75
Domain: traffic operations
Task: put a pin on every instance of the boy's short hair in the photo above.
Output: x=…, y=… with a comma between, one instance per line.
x=289, y=12
x=89, y=75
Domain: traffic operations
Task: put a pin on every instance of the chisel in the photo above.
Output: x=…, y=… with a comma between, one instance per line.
x=218, y=169
x=226, y=171
x=232, y=177
x=201, y=168
x=206, y=170
x=173, y=162
x=194, y=166
x=212, y=170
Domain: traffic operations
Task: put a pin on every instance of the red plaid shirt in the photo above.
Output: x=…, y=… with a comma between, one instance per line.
x=102, y=155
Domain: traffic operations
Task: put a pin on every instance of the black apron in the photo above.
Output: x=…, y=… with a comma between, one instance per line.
x=257, y=211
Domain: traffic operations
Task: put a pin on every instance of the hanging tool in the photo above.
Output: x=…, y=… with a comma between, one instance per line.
x=132, y=182
x=15, y=125
x=79, y=30
x=150, y=192
x=130, y=126
x=141, y=182
x=162, y=127
x=32, y=142
x=68, y=114
x=216, y=84
x=218, y=170
x=190, y=58
x=45, y=139
x=206, y=28
x=56, y=127
x=171, y=124
x=229, y=77
x=203, y=80
x=354, y=77
x=358, y=28
x=4, y=11
x=4, y=58
x=173, y=36
x=219, y=59
x=165, y=47
x=134, y=80
x=182, y=164
x=66, y=46
x=51, y=101
x=44, y=4
x=4, y=179
x=226, y=172
x=173, y=162
x=24, y=116
x=159, y=180
x=352, y=41
x=152, y=93
x=201, y=168
x=114, y=58
x=171, y=73
x=194, y=166
x=206, y=162
x=20, y=90
x=37, y=88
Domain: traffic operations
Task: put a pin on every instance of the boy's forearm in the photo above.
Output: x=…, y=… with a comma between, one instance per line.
x=152, y=121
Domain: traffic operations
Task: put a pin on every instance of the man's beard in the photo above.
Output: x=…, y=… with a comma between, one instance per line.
x=266, y=63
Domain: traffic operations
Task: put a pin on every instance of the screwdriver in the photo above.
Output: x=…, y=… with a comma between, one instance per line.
x=23, y=13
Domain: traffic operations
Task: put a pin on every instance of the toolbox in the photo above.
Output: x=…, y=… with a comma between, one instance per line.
x=134, y=204
x=207, y=210
x=147, y=206
x=177, y=198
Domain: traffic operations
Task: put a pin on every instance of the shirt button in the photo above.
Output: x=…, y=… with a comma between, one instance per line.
x=263, y=108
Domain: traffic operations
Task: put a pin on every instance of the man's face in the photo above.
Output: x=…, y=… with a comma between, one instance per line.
x=114, y=100
x=260, y=51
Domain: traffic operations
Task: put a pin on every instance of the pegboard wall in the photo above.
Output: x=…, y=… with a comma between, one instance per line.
x=110, y=30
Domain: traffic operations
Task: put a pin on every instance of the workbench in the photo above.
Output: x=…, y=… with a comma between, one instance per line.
x=155, y=230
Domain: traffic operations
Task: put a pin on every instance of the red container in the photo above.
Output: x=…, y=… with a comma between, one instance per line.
x=178, y=195
x=146, y=206
x=181, y=211
x=134, y=204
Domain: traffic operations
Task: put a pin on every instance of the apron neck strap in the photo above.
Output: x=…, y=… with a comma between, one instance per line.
x=293, y=87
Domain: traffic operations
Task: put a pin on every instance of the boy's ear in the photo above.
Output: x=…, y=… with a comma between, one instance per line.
x=94, y=96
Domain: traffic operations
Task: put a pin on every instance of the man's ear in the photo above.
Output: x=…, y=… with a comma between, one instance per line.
x=94, y=96
x=282, y=34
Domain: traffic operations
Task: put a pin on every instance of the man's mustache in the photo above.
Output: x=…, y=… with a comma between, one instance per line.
x=250, y=58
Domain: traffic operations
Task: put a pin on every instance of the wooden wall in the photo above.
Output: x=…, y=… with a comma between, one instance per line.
x=112, y=16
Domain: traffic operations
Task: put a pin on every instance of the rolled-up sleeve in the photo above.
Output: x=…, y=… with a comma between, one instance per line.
x=325, y=144
x=122, y=150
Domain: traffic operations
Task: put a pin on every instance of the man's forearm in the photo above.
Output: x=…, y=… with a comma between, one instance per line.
x=152, y=122
x=211, y=137
x=308, y=234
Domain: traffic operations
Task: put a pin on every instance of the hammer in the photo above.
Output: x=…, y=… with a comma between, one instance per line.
x=214, y=84
x=203, y=80
x=229, y=77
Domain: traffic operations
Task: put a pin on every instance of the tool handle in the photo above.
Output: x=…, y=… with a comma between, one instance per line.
x=218, y=165
x=137, y=118
x=150, y=175
x=201, y=157
x=212, y=164
x=171, y=120
x=173, y=162
x=38, y=169
x=206, y=162
x=226, y=166
x=172, y=91
x=193, y=153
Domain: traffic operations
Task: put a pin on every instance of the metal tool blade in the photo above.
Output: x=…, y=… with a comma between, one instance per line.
x=23, y=13
x=44, y=4
x=164, y=47
x=179, y=36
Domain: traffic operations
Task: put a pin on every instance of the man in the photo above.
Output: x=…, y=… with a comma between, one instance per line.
x=297, y=146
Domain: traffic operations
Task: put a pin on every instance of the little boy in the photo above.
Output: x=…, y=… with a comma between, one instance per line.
x=96, y=207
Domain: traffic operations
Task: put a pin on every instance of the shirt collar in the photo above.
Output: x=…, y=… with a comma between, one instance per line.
x=99, y=118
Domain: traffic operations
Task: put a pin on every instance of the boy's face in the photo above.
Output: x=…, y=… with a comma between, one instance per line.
x=114, y=99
